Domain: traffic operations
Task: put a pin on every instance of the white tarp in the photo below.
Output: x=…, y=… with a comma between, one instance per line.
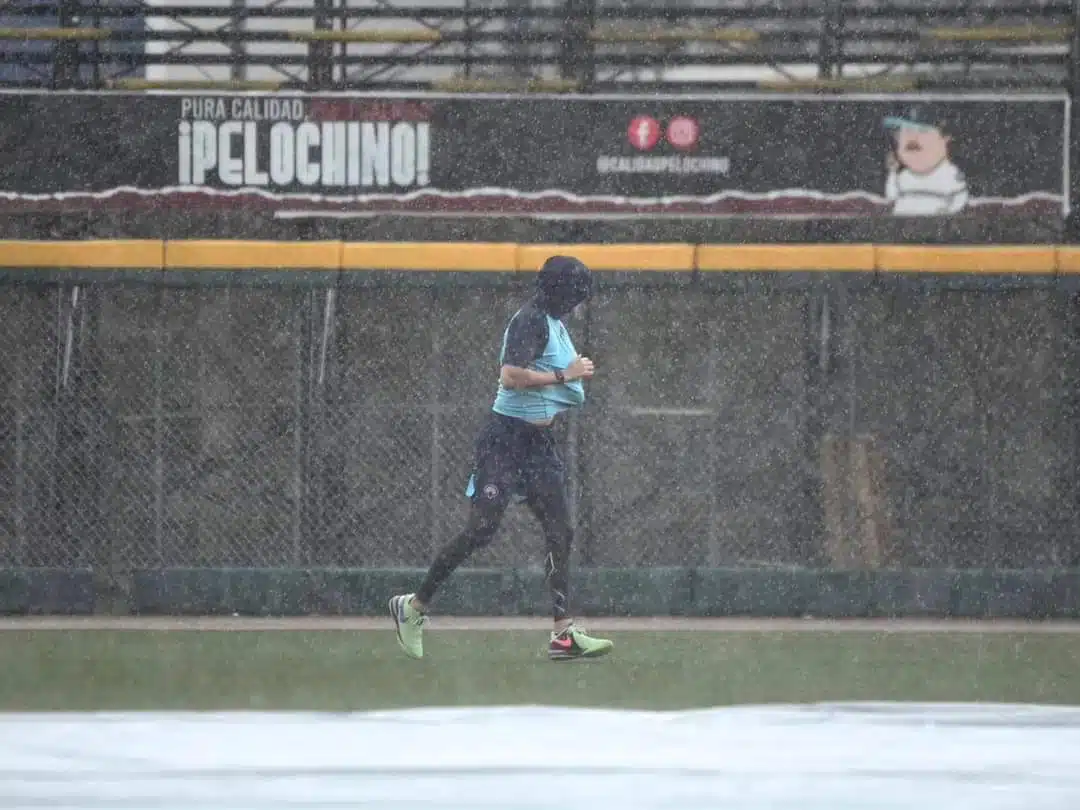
x=827, y=757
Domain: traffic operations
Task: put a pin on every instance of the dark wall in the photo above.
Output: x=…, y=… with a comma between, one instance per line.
x=98, y=222
x=327, y=420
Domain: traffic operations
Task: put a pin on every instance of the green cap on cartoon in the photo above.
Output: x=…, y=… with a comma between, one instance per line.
x=920, y=117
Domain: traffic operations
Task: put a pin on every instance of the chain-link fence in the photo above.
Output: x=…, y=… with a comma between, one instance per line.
x=312, y=425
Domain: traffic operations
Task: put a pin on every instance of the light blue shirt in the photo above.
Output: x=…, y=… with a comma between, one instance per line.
x=543, y=404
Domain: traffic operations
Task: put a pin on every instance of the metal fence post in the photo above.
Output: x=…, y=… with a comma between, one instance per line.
x=66, y=59
x=437, y=394
x=159, y=429
x=1072, y=224
x=321, y=54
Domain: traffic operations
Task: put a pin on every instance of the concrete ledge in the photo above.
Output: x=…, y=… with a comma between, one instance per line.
x=694, y=592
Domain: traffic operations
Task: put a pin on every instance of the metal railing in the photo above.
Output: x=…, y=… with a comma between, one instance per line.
x=561, y=45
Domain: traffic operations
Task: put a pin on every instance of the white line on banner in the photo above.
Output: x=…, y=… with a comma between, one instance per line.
x=497, y=192
x=540, y=215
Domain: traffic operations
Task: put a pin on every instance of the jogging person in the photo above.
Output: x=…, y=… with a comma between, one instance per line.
x=540, y=377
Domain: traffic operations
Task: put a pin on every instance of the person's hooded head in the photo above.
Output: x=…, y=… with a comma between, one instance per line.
x=562, y=283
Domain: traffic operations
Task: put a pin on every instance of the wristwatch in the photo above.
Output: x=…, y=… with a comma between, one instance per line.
x=559, y=376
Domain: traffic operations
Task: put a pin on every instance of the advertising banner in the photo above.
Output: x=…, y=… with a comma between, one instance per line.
x=727, y=155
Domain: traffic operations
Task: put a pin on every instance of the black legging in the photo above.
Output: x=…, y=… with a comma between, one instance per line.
x=547, y=500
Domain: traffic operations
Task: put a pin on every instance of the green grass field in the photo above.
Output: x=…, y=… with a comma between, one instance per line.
x=361, y=670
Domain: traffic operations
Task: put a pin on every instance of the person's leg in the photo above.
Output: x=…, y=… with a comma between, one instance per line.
x=548, y=499
x=491, y=486
x=548, y=502
x=485, y=515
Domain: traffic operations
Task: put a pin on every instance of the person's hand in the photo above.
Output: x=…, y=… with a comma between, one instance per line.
x=580, y=369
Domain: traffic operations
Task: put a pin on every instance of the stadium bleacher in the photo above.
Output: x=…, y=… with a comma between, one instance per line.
x=598, y=45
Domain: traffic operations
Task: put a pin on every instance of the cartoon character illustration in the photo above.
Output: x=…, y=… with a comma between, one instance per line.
x=922, y=179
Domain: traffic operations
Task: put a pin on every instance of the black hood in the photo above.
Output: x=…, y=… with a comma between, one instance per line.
x=562, y=284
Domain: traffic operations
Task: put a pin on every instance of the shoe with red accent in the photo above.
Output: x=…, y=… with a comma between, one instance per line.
x=573, y=643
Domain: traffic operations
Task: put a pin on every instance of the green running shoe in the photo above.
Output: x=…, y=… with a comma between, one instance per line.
x=573, y=643
x=410, y=625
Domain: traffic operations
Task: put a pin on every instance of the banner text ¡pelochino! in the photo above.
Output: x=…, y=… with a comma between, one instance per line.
x=272, y=143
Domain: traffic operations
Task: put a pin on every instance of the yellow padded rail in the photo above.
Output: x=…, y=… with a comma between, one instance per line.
x=243, y=255
x=212, y=254
x=649, y=256
x=973, y=259
x=1068, y=260
x=446, y=256
x=785, y=257
x=117, y=254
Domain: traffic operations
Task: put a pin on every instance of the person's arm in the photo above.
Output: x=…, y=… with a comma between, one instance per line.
x=526, y=338
x=519, y=377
